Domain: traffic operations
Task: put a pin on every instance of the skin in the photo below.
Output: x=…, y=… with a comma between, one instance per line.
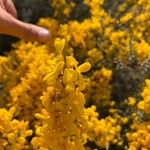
x=10, y=25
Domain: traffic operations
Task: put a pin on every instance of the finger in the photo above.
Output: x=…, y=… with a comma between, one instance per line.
x=10, y=8
x=11, y=26
x=2, y=5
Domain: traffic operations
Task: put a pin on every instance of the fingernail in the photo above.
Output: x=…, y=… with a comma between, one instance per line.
x=44, y=35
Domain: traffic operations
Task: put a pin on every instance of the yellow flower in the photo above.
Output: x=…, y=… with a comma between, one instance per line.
x=131, y=101
x=84, y=67
x=145, y=103
x=59, y=45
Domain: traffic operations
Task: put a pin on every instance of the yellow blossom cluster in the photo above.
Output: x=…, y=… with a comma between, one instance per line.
x=80, y=33
x=62, y=8
x=104, y=131
x=131, y=34
x=139, y=136
x=142, y=49
x=13, y=133
x=103, y=35
x=145, y=103
x=99, y=88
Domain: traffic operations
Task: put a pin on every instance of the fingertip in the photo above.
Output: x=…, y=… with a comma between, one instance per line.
x=43, y=35
x=33, y=33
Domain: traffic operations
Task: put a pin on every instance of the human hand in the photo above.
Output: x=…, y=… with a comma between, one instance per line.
x=11, y=26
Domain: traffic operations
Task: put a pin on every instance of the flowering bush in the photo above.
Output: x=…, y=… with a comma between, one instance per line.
x=87, y=88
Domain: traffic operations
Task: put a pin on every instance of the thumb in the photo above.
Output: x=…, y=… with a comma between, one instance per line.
x=11, y=26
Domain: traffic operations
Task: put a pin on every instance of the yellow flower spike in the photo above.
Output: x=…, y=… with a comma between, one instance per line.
x=59, y=45
x=70, y=76
x=84, y=67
